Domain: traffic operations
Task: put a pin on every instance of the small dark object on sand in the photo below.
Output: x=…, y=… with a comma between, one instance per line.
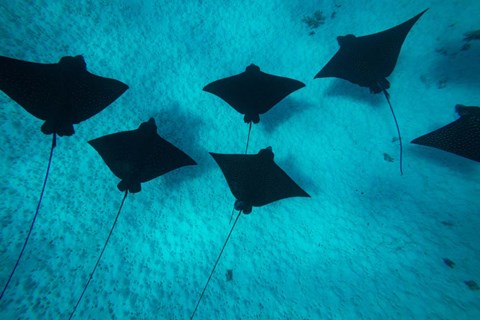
x=388, y=157
x=229, y=275
x=314, y=21
x=447, y=223
x=449, y=262
x=471, y=35
x=472, y=285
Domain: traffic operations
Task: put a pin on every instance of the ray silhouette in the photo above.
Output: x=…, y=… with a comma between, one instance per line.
x=135, y=156
x=368, y=60
x=460, y=137
x=255, y=181
x=253, y=92
x=62, y=94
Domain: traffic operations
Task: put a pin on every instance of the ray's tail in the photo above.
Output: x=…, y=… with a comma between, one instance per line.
x=99, y=257
x=231, y=216
x=214, y=266
x=387, y=95
x=54, y=143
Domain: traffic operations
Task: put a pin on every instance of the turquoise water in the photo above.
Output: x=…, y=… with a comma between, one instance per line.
x=368, y=244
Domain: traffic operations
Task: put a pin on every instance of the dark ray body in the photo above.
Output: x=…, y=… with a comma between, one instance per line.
x=253, y=92
x=135, y=157
x=254, y=180
x=368, y=60
x=62, y=94
x=139, y=155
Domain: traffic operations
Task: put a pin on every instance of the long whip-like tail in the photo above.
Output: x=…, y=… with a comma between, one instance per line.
x=99, y=257
x=231, y=217
x=54, y=143
x=215, y=265
x=387, y=95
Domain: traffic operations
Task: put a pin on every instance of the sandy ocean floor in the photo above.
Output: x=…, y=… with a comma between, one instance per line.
x=368, y=244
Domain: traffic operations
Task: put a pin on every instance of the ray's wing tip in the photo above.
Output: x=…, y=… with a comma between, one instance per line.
x=191, y=162
x=300, y=84
x=416, y=140
x=415, y=18
x=92, y=142
x=320, y=74
x=208, y=88
x=214, y=156
x=304, y=194
x=420, y=141
x=122, y=87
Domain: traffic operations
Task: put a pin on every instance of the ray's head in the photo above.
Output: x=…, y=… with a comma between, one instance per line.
x=267, y=153
x=252, y=68
x=76, y=63
x=462, y=110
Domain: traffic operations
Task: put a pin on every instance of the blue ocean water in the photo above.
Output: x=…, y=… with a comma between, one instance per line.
x=368, y=244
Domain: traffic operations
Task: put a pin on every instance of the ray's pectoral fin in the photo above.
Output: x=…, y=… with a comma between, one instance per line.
x=460, y=137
